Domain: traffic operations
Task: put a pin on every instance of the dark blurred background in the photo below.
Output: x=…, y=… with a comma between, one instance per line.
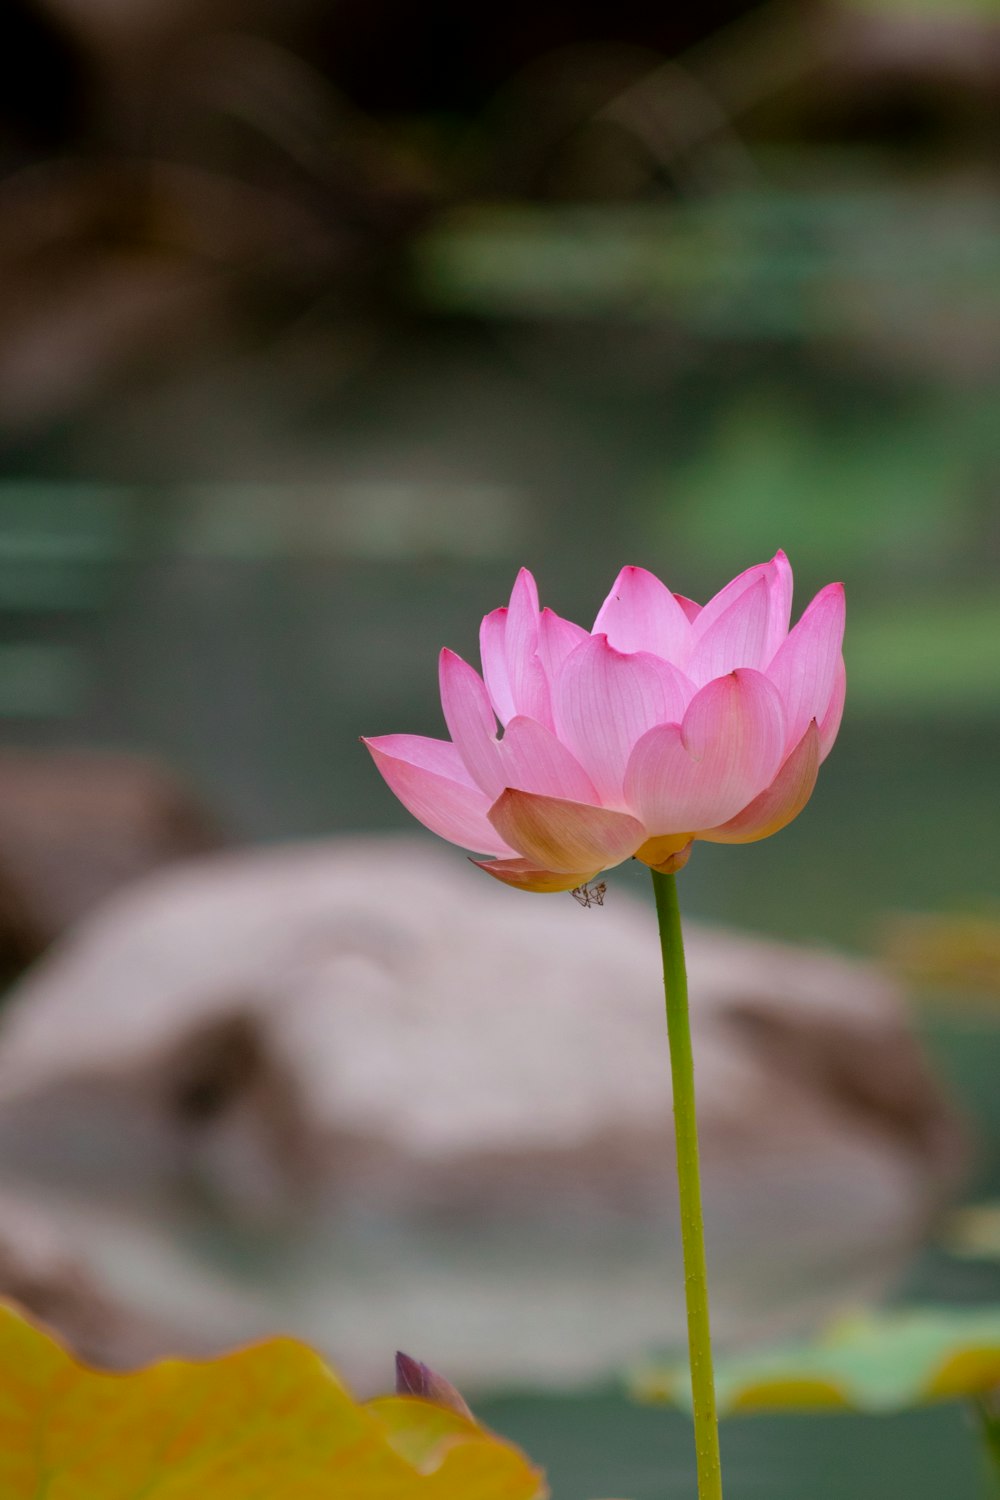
x=317, y=320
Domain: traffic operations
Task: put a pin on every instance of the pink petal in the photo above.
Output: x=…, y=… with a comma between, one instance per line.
x=524, y=876
x=830, y=723
x=529, y=687
x=778, y=576
x=533, y=760
x=737, y=637
x=684, y=778
x=783, y=800
x=493, y=653
x=779, y=581
x=805, y=668
x=690, y=608
x=604, y=701
x=641, y=614
x=440, y=757
x=522, y=617
x=557, y=639
x=430, y=780
x=414, y=1378
x=727, y=596
x=530, y=690
x=471, y=722
x=565, y=836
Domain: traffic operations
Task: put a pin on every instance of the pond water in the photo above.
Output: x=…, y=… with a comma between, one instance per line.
x=247, y=610
x=598, y=1445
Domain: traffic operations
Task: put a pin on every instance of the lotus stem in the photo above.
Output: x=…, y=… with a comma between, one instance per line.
x=706, y=1422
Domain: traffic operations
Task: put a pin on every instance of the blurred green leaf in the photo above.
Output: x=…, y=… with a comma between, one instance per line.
x=871, y=1363
x=974, y=1231
x=852, y=258
x=946, y=951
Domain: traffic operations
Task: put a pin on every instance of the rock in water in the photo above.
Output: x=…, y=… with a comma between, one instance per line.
x=440, y=1110
x=75, y=826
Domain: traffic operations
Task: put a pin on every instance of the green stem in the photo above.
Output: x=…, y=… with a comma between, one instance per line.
x=706, y=1422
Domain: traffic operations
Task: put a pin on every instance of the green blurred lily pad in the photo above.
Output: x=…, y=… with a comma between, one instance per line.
x=974, y=1232
x=870, y=1363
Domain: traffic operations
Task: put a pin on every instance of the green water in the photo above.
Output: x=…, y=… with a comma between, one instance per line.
x=597, y=1445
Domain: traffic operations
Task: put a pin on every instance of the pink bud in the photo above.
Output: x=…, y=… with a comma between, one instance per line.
x=414, y=1378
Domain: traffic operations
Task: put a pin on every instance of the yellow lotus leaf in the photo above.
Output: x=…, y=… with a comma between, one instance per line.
x=264, y=1422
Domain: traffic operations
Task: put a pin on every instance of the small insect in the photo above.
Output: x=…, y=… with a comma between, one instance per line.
x=590, y=895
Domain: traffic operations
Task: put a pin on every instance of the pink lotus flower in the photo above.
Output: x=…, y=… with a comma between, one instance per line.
x=666, y=723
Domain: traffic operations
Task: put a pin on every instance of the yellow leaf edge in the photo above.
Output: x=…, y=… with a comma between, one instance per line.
x=427, y=1439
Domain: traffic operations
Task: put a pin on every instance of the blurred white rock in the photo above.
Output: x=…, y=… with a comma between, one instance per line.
x=398, y=1105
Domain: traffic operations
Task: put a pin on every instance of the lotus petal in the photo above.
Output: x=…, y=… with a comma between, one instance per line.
x=805, y=668
x=557, y=639
x=525, y=876
x=780, y=585
x=696, y=775
x=738, y=637
x=720, y=602
x=430, y=779
x=533, y=760
x=783, y=800
x=641, y=614
x=493, y=654
x=471, y=722
x=565, y=836
x=830, y=723
x=666, y=855
x=529, y=687
x=606, y=700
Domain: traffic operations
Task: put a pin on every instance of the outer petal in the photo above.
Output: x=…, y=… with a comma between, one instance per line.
x=565, y=836
x=471, y=722
x=533, y=760
x=835, y=712
x=493, y=653
x=783, y=800
x=605, y=701
x=684, y=778
x=430, y=780
x=641, y=614
x=525, y=876
x=805, y=669
x=738, y=637
x=440, y=757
